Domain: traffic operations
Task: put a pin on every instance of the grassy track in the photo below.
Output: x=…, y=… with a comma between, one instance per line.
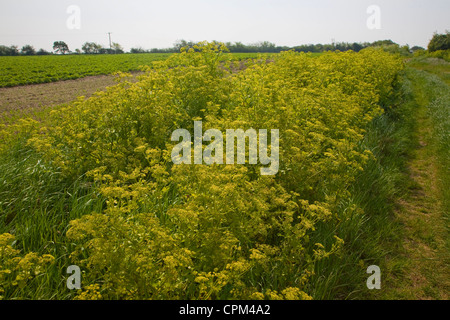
x=436, y=66
x=423, y=212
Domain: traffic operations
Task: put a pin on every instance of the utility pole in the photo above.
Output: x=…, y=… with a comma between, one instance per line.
x=110, y=46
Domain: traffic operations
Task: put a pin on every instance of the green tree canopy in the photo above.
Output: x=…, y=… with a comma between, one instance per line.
x=439, y=42
x=91, y=47
x=42, y=52
x=9, y=51
x=60, y=47
x=28, y=50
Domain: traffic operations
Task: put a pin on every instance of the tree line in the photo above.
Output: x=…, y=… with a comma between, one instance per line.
x=438, y=42
x=60, y=47
x=268, y=47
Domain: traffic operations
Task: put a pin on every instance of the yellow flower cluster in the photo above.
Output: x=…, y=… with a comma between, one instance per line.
x=16, y=271
x=91, y=292
x=218, y=231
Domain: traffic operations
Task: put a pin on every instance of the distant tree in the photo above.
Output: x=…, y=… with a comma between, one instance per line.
x=42, y=52
x=28, y=50
x=14, y=50
x=4, y=51
x=117, y=48
x=357, y=47
x=405, y=50
x=416, y=48
x=180, y=44
x=439, y=42
x=183, y=44
x=308, y=48
x=282, y=48
x=318, y=47
x=137, y=50
x=91, y=48
x=380, y=43
x=77, y=51
x=86, y=47
x=266, y=46
x=60, y=47
x=9, y=51
x=104, y=50
x=238, y=47
x=164, y=50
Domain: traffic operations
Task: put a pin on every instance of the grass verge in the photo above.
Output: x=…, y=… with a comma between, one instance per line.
x=371, y=232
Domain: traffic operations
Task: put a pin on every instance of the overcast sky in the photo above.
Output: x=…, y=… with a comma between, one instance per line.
x=158, y=24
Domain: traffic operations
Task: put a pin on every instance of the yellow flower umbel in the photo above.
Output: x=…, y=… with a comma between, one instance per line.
x=16, y=271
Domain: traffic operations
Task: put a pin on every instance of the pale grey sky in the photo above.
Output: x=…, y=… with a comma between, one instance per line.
x=158, y=24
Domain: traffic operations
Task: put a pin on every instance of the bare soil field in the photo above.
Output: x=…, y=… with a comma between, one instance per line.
x=36, y=96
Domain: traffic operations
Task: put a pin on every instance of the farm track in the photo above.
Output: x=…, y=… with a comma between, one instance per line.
x=422, y=214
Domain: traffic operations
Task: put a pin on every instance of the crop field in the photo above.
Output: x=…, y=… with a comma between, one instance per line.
x=93, y=184
x=22, y=70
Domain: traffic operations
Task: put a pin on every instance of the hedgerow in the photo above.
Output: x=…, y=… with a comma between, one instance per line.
x=216, y=231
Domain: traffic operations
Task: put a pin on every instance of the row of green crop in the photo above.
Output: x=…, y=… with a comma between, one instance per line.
x=22, y=70
x=41, y=69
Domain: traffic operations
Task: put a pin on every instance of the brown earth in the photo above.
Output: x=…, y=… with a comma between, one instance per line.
x=48, y=94
x=20, y=101
x=26, y=100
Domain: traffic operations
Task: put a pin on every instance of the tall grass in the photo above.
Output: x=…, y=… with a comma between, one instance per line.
x=436, y=97
x=371, y=233
x=374, y=236
x=36, y=205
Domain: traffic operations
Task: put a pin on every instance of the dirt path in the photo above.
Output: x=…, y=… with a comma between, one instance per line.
x=422, y=213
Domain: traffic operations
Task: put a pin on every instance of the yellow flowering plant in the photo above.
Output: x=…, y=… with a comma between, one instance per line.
x=17, y=271
x=216, y=231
